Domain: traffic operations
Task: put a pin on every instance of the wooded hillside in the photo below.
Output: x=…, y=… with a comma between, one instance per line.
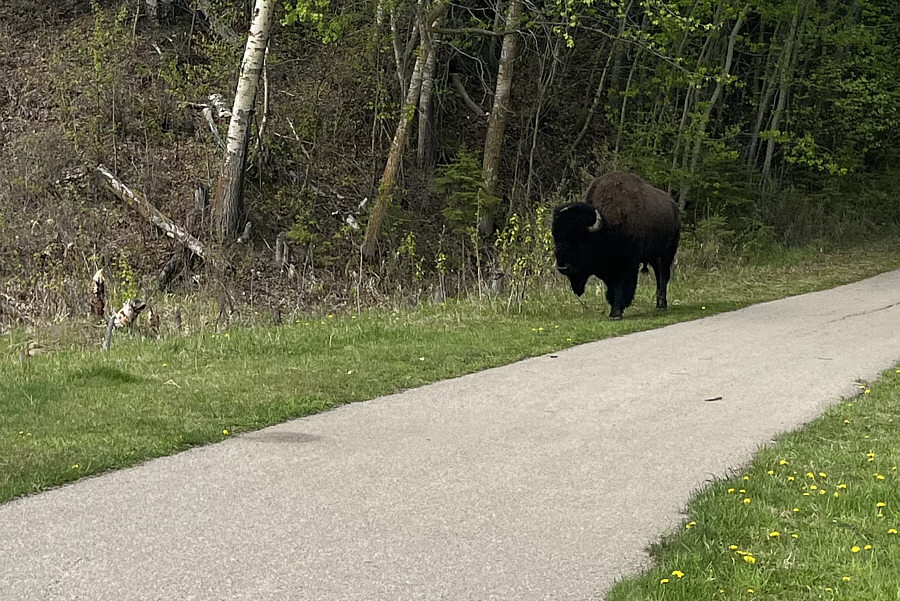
x=416, y=147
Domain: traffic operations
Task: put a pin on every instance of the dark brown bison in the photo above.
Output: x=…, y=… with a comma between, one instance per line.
x=623, y=222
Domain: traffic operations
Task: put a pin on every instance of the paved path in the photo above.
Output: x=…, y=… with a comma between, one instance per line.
x=545, y=479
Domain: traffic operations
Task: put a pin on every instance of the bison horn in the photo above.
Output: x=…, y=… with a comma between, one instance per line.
x=598, y=223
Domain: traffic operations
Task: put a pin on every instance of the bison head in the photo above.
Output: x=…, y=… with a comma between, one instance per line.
x=574, y=228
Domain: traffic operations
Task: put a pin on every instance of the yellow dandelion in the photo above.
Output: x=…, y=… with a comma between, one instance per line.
x=842, y=486
x=225, y=432
x=892, y=531
x=868, y=547
x=810, y=475
x=747, y=501
x=733, y=547
x=743, y=490
x=854, y=549
x=823, y=475
x=846, y=578
x=846, y=421
x=730, y=490
x=867, y=391
x=227, y=335
x=880, y=504
x=165, y=365
x=806, y=494
x=771, y=472
x=751, y=591
x=828, y=589
x=540, y=329
x=790, y=478
x=836, y=494
x=75, y=467
x=783, y=462
x=774, y=534
x=823, y=492
x=330, y=316
x=749, y=559
x=813, y=487
x=678, y=574
x=795, y=535
x=796, y=510
x=879, y=477
x=690, y=525
x=664, y=581
x=746, y=478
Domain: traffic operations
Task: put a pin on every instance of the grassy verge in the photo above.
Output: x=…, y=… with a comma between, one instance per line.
x=76, y=412
x=821, y=522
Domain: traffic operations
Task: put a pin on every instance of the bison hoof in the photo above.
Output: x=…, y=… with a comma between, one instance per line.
x=615, y=315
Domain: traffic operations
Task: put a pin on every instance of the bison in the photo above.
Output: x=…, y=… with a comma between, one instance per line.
x=623, y=223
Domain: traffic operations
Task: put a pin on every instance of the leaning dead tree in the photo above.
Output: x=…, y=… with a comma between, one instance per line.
x=151, y=213
x=395, y=155
x=228, y=202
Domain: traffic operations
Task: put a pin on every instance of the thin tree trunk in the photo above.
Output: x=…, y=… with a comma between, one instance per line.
x=493, y=143
x=425, y=104
x=765, y=100
x=704, y=120
x=598, y=95
x=543, y=84
x=634, y=64
x=784, y=84
x=228, y=203
x=399, y=63
x=386, y=187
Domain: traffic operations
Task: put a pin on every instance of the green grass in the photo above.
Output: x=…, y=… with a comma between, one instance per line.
x=78, y=411
x=821, y=489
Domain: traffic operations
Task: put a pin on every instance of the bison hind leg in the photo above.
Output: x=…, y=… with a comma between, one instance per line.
x=662, y=268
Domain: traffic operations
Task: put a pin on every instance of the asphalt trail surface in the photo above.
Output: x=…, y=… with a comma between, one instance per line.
x=545, y=479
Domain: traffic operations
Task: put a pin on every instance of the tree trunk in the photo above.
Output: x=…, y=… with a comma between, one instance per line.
x=386, y=187
x=493, y=143
x=768, y=90
x=634, y=64
x=228, y=203
x=425, y=104
x=716, y=96
x=784, y=84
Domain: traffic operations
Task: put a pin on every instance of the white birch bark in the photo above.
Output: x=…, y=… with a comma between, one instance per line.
x=228, y=203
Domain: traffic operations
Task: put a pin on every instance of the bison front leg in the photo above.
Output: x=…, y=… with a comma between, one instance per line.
x=620, y=293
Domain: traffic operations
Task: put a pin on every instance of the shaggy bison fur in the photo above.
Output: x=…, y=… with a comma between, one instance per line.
x=623, y=223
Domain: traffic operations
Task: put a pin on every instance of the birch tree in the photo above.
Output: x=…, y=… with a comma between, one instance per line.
x=401, y=134
x=228, y=203
x=493, y=143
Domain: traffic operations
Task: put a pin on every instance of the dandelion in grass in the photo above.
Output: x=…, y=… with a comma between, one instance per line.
x=783, y=462
x=846, y=578
x=771, y=472
x=730, y=490
x=813, y=487
x=678, y=574
x=75, y=467
x=870, y=456
x=880, y=504
x=867, y=391
x=733, y=547
x=664, y=581
x=892, y=531
x=796, y=510
x=806, y=494
x=810, y=475
x=790, y=478
x=690, y=525
x=743, y=490
x=795, y=535
x=823, y=475
x=836, y=494
x=846, y=421
x=774, y=534
x=751, y=591
x=842, y=486
x=750, y=559
x=225, y=432
x=879, y=477
x=868, y=547
x=855, y=549
x=746, y=478
x=747, y=501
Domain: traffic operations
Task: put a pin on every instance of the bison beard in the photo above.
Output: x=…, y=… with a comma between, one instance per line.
x=624, y=223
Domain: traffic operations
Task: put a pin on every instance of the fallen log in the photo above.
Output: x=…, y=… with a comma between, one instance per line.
x=151, y=213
